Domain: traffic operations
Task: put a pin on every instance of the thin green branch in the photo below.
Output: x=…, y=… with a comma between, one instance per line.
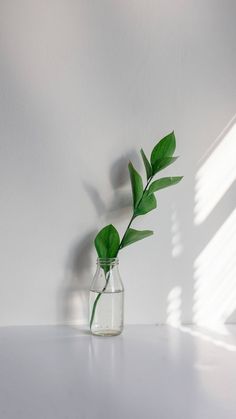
x=120, y=246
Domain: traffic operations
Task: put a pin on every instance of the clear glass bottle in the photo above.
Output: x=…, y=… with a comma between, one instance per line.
x=106, y=299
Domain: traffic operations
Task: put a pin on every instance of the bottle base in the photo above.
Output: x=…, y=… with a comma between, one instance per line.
x=106, y=332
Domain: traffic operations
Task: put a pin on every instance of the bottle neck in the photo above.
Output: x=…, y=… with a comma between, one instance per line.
x=107, y=263
x=107, y=277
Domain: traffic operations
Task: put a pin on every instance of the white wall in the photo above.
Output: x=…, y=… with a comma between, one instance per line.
x=84, y=85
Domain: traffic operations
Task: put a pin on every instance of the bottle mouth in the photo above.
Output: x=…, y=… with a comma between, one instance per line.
x=107, y=261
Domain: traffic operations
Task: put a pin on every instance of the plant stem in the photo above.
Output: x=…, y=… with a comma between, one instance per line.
x=133, y=216
x=120, y=246
x=127, y=228
x=96, y=301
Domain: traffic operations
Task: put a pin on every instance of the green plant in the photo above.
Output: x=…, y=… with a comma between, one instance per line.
x=108, y=242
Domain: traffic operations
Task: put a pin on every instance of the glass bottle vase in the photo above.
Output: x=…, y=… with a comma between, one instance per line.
x=106, y=299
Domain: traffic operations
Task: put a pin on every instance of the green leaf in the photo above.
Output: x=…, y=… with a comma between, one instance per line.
x=165, y=148
x=137, y=185
x=132, y=236
x=147, y=204
x=147, y=165
x=163, y=183
x=161, y=164
x=107, y=242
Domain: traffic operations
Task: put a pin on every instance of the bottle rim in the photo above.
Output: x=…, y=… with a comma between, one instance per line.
x=108, y=261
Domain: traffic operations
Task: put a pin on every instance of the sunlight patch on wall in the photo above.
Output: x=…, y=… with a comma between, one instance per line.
x=174, y=301
x=176, y=240
x=215, y=277
x=216, y=175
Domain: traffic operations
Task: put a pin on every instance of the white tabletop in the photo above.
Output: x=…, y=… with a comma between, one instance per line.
x=147, y=372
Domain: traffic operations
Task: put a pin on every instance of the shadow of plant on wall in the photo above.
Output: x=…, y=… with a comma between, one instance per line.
x=74, y=292
x=121, y=201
